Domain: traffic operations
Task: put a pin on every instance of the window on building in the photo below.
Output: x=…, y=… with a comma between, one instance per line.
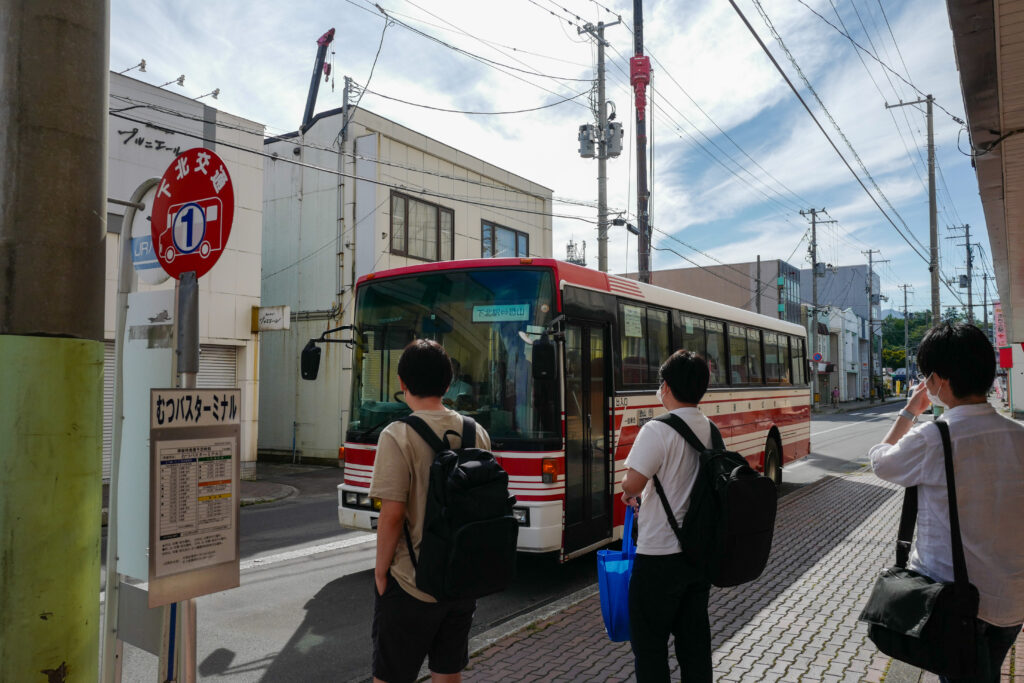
x=420, y=229
x=497, y=241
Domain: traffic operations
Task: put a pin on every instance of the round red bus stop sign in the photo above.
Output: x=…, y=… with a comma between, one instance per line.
x=192, y=213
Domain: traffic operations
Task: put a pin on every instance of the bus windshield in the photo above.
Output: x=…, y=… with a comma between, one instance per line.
x=487, y=320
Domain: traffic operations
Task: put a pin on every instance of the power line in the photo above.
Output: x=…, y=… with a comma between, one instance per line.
x=336, y=172
x=821, y=103
x=884, y=65
x=472, y=55
x=778, y=67
x=477, y=113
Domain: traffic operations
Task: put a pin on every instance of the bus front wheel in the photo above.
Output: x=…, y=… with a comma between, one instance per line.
x=773, y=460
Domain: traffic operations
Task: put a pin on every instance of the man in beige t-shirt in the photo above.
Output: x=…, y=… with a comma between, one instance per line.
x=408, y=624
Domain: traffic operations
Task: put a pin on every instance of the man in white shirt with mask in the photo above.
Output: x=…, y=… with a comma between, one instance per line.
x=958, y=365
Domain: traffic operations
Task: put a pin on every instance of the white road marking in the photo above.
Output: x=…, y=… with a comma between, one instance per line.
x=306, y=552
x=290, y=555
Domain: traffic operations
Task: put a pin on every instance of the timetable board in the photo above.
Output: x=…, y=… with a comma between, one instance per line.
x=194, y=492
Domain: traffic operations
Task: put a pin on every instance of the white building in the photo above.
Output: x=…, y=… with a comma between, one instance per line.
x=849, y=342
x=148, y=127
x=343, y=199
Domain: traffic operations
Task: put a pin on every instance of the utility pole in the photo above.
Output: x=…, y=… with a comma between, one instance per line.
x=639, y=78
x=757, y=289
x=970, y=279
x=986, y=278
x=871, y=321
x=933, y=230
x=813, y=249
x=906, y=337
x=53, y=134
x=602, y=145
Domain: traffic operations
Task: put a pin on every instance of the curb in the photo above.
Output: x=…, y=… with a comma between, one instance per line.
x=288, y=492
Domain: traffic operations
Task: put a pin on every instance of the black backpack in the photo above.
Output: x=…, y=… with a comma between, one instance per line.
x=727, y=530
x=468, y=548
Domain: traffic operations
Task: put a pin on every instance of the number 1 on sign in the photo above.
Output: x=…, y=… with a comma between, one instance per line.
x=189, y=228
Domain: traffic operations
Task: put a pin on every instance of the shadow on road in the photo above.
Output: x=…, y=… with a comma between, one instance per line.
x=808, y=528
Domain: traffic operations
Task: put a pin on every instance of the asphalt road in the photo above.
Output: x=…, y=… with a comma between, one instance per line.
x=304, y=607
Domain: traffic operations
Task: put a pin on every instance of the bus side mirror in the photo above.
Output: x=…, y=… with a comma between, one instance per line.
x=543, y=358
x=310, y=364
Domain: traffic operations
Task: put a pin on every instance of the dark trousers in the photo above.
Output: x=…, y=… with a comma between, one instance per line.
x=995, y=643
x=667, y=598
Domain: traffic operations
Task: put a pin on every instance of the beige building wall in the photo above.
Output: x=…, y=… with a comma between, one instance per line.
x=327, y=222
x=147, y=127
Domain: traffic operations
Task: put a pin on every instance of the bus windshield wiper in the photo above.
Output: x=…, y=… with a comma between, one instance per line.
x=365, y=433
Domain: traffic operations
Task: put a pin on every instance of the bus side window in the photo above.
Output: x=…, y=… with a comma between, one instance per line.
x=737, y=355
x=658, y=341
x=754, y=369
x=716, y=351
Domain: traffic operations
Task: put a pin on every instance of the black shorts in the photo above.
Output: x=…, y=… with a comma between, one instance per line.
x=406, y=630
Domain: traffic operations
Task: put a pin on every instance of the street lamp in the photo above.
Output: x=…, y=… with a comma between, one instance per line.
x=214, y=93
x=180, y=80
x=141, y=66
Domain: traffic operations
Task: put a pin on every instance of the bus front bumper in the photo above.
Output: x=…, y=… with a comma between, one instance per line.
x=540, y=524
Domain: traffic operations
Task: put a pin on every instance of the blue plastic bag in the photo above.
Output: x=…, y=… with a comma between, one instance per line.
x=614, y=567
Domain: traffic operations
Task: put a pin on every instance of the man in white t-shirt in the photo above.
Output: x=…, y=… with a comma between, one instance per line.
x=666, y=595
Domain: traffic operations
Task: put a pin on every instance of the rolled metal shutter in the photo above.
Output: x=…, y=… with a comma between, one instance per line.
x=217, y=366
x=108, y=404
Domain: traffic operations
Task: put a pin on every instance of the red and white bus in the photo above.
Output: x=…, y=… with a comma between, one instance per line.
x=563, y=435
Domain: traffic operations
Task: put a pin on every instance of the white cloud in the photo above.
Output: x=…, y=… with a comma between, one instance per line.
x=260, y=54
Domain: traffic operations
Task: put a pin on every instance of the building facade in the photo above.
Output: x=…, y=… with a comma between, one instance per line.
x=770, y=287
x=148, y=127
x=351, y=194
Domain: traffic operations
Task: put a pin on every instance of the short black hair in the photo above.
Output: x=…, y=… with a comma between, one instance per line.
x=687, y=375
x=425, y=367
x=960, y=353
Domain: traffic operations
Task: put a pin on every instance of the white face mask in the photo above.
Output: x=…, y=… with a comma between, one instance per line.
x=660, y=394
x=934, y=398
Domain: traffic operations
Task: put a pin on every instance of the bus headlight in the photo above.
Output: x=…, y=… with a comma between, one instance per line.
x=351, y=498
x=522, y=516
x=364, y=500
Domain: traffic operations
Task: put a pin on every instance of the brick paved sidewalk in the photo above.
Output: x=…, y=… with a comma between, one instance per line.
x=798, y=622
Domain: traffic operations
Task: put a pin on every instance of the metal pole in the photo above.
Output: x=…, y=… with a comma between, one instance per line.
x=906, y=337
x=602, y=158
x=53, y=153
x=188, y=370
x=933, y=230
x=814, y=301
x=985, y=307
x=639, y=77
x=757, y=290
x=970, y=278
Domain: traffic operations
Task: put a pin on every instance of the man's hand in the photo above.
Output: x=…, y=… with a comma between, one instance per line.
x=632, y=501
x=918, y=401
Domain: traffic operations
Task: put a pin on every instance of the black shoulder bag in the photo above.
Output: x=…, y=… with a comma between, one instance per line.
x=928, y=624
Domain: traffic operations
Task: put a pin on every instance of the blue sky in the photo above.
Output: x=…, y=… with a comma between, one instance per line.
x=713, y=86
